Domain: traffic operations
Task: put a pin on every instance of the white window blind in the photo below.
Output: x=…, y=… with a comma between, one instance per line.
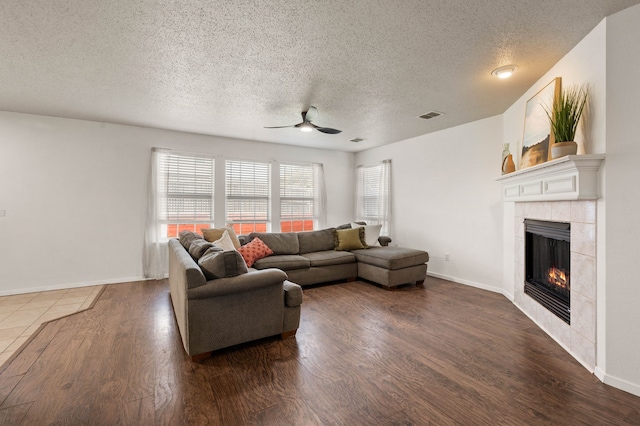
x=373, y=194
x=185, y=192
x=297, y=198
x=247, y=195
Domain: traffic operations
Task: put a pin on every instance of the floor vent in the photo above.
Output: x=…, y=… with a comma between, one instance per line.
x=432, y=114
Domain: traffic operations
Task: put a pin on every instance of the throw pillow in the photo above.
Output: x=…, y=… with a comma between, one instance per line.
x=213, y=234
x=371, y=233
x=198, y=247
x=225, y=242
x=216, y=263
x=349, y=239
x=254, y=250
x=187, y=237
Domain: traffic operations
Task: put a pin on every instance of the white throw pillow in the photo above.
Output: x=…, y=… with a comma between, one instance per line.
x=371, y=233
x=225, y=242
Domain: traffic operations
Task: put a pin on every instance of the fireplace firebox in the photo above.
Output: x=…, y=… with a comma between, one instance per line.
x=548, y=265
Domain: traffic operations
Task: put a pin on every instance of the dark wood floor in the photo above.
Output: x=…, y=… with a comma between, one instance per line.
x=442, y=354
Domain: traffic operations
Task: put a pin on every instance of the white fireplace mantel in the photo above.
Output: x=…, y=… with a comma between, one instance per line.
x=573, y=177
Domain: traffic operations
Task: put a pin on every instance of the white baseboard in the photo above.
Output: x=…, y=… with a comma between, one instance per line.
x=599, y=373
x=68, y=286
x=465, y=282
x=621, y=384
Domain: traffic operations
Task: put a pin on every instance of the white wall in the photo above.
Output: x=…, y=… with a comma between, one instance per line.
x=445, y=199
x=75, y=195
x=622, y=367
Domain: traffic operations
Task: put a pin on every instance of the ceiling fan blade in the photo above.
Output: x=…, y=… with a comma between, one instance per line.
x=328, y=130
x=311, y=114
x=280, y=127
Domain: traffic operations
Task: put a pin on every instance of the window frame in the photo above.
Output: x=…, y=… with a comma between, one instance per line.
x=240, y=225
x=167, y=168
x=313, y=198
x=379, y=195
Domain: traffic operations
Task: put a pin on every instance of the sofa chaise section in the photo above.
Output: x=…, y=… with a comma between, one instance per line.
x=392, y=266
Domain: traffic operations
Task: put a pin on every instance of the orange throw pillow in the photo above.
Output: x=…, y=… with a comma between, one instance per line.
x=254, y=250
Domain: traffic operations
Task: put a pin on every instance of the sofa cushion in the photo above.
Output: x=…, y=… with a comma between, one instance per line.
x=254, y=250
x=313, y=241
x=286, y=262
x=392, y=258
x=225, y=242
x=371, y=233
x=349, y=239
x=329, y=258
x=187, y=237
x=213, y=234
x=216, y=263
x=279, y=242
x=198, y=247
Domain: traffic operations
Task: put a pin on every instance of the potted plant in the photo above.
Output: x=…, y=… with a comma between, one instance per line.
x=564, y=117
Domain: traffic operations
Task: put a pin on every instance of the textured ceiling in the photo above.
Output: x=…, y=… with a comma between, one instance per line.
x=229, y=68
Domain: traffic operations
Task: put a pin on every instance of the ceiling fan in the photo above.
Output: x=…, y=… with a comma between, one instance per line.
x=306, y=126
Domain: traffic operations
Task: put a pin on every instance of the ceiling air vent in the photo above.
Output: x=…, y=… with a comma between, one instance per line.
x=356, y=140
x=431, y=114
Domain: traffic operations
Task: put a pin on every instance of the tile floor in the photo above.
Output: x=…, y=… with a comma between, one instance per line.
x=22, y=314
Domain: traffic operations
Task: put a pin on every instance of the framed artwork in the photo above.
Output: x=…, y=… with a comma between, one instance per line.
x=538, y=138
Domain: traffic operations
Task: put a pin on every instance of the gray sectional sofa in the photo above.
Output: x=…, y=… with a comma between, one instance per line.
x=225, y=303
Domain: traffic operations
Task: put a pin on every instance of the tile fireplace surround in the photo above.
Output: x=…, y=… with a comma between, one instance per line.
x=563, y=190
x=579, y=338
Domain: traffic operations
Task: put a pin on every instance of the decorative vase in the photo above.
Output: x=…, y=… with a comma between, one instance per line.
x=508, y=165
x=560, y=149
x=505, y=150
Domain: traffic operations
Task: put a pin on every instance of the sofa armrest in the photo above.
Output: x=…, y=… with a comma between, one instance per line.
x=292, y=294
x=239, y=284
x=384, y=241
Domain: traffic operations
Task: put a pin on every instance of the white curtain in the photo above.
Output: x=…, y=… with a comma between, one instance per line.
x=384, y=197
x=360, y=193
x=319, y=196
x=155, y=253
x=373, y=195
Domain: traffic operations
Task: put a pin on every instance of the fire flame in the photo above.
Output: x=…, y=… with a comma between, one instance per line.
x=558, y=277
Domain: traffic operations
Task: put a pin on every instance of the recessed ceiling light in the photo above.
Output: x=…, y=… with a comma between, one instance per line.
x=505, y=71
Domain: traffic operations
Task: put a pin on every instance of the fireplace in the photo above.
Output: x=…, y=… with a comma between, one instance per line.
x=548, y=265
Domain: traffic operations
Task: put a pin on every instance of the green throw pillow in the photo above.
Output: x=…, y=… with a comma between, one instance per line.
x=349, y=239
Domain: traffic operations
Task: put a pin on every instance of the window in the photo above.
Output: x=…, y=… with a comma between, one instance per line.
x=248, y=185
x=297, y=198
x=182, y=196
x=373, y=194
x=184, y=193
